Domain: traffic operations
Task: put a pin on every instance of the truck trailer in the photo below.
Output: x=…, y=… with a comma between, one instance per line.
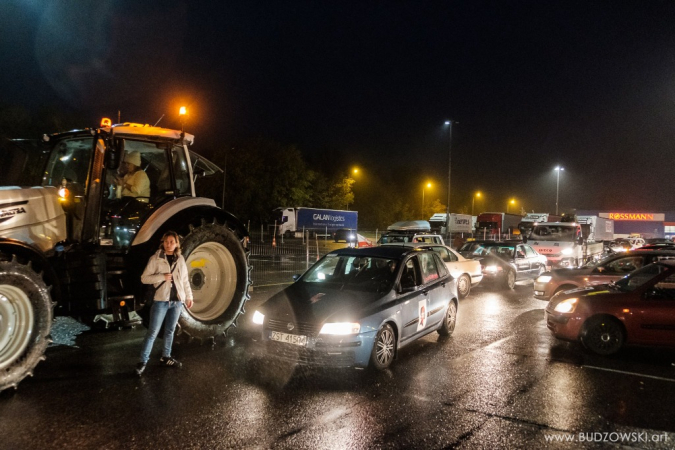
x=492, y=225
x=294, y=221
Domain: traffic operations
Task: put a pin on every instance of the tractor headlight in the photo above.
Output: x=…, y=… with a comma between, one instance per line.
x=567, y=251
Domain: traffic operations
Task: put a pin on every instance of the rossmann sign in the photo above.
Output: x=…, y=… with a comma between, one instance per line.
x=637, y=216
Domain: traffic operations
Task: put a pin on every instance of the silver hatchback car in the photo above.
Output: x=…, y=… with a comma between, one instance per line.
x=609, y=269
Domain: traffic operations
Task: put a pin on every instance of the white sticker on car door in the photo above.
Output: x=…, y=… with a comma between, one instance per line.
x=421, y=314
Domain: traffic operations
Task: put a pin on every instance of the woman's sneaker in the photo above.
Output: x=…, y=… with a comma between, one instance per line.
x=170, y=362
x=140, y=368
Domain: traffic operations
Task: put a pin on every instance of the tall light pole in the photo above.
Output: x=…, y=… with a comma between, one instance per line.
x=447, y=211
x=473, y=199
x=557, y=187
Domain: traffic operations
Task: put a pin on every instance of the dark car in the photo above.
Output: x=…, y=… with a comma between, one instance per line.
x=609, y=269
x=345, y=234
x=637, y=309
x=504, y=263
x=357, y=307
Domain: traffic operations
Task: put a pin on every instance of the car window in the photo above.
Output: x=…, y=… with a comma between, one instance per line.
x=667, y=287
x=442, y=269
x=529, y=251
x=428, y=266
x=444, y=253
x=411, y=276
x=624, y=265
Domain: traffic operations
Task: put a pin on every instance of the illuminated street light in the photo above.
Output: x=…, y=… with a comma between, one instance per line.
x=428, y=185
x=473, y=199
x=510, y=202
x=557, y=187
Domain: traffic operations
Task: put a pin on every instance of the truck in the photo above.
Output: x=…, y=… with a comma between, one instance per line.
x=459, y=223
x=69, y=246
x=597, y=228
x=565, y=244
x=293, y=221
x=492, y=225
x=527, y=222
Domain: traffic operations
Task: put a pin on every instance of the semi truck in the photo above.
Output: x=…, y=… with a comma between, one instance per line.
x=565, y=244
x=459, y=223
x=69, y=246
x=527, y=222
x=491, y=225
x=293, y=221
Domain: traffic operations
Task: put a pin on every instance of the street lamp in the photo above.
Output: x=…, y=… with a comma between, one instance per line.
x=510, y=202
x=447, y=211
x=473, y=199
x=428, y=185
x=557, y=187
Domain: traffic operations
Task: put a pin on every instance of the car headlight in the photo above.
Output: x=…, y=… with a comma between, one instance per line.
x=567, y=251
x=567, y=305
x=258, y=317
x=544, y=279
x=492, y=269
x=342, y=328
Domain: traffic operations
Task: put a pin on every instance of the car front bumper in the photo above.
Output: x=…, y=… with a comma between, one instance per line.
x=563, y=326
x=322, y=351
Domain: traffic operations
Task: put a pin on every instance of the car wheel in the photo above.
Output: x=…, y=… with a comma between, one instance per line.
x=603, y=335
x=448, y=325
x=382, y=354
x=463, y=286
x=510, y=279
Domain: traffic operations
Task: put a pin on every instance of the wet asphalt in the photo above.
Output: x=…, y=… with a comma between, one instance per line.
x=500, y=381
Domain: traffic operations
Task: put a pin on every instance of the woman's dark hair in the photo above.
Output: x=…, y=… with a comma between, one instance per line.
x=175, y=236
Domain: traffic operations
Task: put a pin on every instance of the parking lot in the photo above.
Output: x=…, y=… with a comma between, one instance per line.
x=500, y=381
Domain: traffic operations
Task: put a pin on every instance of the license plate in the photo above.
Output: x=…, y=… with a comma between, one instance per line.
x=294, y=339
x=538, y=292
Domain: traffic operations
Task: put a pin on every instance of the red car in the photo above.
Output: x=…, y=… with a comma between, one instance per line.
x=637, y=309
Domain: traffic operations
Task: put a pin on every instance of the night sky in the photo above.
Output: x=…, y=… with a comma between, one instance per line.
x=589, y=85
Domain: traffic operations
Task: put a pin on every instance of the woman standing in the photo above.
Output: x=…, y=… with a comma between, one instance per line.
x=167, y=271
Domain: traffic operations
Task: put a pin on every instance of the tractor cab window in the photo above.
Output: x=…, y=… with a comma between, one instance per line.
x=68, y=165
x=162, y=173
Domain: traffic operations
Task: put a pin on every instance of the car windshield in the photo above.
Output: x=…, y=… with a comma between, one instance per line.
x=553, y=233
x=503, y=251
x=349, y=272
x=640, y=277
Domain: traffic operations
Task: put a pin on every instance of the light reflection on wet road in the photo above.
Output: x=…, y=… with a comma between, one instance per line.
x=501, y=381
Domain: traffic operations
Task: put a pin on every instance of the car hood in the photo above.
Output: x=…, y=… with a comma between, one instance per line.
x=586, y=294
x=570, y=273
x=316, y=303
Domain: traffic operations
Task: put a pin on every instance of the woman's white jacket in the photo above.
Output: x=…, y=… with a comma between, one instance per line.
x=154, y=274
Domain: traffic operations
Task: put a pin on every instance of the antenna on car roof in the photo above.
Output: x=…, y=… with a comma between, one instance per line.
x=158, y=120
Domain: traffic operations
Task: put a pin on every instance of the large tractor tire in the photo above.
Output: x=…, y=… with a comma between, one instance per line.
x=219, y=277
x=25, y=321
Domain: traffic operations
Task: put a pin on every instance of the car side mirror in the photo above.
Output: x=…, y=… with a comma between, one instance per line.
x=580, y=240
x=524, y=239
x=405, y=290
x=296, y=277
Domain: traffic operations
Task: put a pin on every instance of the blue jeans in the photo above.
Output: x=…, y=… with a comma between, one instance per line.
x=167, y=312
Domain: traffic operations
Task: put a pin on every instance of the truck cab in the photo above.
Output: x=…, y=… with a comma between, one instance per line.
x=563, y=244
